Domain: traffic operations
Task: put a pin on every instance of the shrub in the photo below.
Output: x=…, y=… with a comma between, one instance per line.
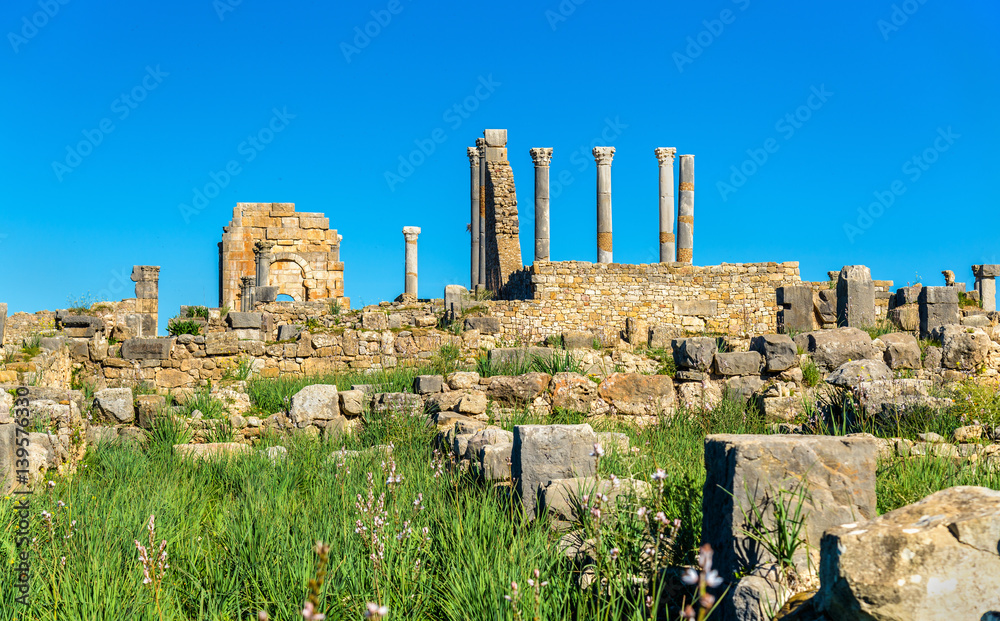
x=32, y=346
x=197, y=311
x=176, y=327
x=810, y=373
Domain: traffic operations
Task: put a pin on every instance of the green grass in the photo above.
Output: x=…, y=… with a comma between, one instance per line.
x=270, y=395
x=177, y=326
x=32, y=346
x=209, y=406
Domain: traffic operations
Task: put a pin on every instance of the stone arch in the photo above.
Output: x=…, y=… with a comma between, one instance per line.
x=292, y=281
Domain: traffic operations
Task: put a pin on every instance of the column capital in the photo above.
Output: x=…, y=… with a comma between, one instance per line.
x=541, y=156
x=411, y=232
x=665, y=154
x=473, y=155
x=247, y=281
x=480, y=142
x=262, y=246
x=603, y=155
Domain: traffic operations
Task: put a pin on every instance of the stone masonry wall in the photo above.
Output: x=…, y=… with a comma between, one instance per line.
x=503, y=246
x=737, y=299
x=307, y=252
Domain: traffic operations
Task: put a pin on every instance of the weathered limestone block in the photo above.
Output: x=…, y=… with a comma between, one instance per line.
x=573, y=392
x=660, y=337
x=743, y=387
x=222, y=344
x=757, y=596
x=518, y=390
x=172, y=378
x=146, y=349
x=699, y=395
x=461, y=380
x=855, y=297
x=891, y=397
x=288, y=332
x=148, y=407
x=938, y=307
x=115, y=404
x=839, y=473
x=577, y=339
x=964, y=348
x=825, y=305
x=494, y=461
x=427, y=384
x=519, y=355
x=908, y=295
x=832, y=348
x=779, y=351
x=907, y=317
x=485, y=437
x=485, y=325
x=936, y=559
x=852, y=373
x=738, y=363
x=352, y=402
x=561, y=498
x=402, y=403
x=796, y=313
x=695, y=352
x=472, y=402
x=213, y=450
x=81, y=326
x=902, y=351
x=241, y=321
x=543, y=453
x=315, y=402
x=637, y=394
x=374, y=320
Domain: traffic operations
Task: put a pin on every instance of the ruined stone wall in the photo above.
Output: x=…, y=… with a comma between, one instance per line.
x=306, y=252
x=884, y=291
x=503, y=246
x=735, y=299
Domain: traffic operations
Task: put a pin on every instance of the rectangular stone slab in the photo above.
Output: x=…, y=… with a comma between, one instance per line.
x=542, y=453
x=146, y=349
x=839, y=473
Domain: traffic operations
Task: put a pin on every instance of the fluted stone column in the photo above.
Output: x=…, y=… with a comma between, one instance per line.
x=246, y=293
x=685, y=211
x=541, y=158
x=264, y=257
x=603, y=157
x=481, y=147
x=474, y=225
x=410, y=283
x=668, y=250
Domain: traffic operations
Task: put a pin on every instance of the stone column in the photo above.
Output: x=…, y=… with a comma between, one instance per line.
x=668, y=251
x=473, y=153
x=410, y=283
x=481, y=146
x=147, y=294
x=685, y=211
x=541, y=158
x=855, y=297
x=603, y=157
x=246, y=293
x=263, y=258
x=986, y=285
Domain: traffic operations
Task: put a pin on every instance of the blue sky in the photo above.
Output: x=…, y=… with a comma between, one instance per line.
x=830, y=133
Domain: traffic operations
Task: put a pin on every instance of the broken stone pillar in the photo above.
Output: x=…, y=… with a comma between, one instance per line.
x=456, y=298
x=543, y=453
x=603, y=157
x=855, y=297
x=668, y=247
x=247, y=288
x=744, y=471
x=685, y=211
x=147, y=294
x=796, y=309
x=474, y=226
x=938, y=307
x=410, y=284
x=986, y=284
x=541, y=158
x=481, y=146
x=263, y=256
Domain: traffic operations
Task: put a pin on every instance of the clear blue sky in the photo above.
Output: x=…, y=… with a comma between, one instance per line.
x=887, y=82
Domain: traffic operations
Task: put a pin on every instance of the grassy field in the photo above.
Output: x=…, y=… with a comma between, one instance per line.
x=405, y=531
